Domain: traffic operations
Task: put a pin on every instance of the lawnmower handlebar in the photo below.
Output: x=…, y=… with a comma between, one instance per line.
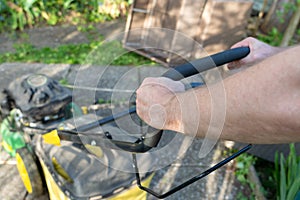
x=206, y=63
x=146, y=142
x=195, y=67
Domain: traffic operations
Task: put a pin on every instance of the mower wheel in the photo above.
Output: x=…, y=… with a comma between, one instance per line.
x=29, y=172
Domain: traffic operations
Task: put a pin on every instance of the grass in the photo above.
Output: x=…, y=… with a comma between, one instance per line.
x=96, y=52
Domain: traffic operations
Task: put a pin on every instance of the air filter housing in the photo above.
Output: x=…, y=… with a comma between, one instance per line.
x=38, y=96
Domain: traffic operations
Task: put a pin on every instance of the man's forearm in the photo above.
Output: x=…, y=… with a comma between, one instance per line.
x=262, y=103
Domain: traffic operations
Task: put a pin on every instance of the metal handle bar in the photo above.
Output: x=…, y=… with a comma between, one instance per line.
x=187, y=182
x=144, y=144
x=198, y=66
x=195, y=67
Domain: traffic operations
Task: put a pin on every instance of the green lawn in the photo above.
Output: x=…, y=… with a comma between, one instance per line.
x=95, y=52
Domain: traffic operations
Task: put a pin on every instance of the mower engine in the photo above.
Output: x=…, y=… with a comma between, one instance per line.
x=33, y=100
x=38, y=98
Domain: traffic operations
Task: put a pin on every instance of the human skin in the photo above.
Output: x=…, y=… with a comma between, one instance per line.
x=259, y=51
x=262, y=102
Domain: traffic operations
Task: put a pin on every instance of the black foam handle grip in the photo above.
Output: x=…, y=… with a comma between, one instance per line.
x=206, y=63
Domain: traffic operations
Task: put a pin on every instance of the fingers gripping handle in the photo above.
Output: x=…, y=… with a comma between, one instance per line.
x=198, y=66
x=206, y=63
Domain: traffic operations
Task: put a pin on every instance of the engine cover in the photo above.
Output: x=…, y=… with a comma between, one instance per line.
x=38, y=96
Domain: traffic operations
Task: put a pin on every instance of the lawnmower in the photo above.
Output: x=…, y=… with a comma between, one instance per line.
x=56, y=144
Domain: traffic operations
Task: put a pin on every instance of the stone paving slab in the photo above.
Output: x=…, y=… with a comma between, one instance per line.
x=11, y=185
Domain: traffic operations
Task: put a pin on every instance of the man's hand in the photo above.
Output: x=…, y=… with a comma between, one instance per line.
x=156, y=100
x=258, y=52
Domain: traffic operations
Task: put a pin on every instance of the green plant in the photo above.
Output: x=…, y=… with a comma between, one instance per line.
x=243, y=163
x=287, y=174
x=242, y=166
x=273, y=38
x=18, y=14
